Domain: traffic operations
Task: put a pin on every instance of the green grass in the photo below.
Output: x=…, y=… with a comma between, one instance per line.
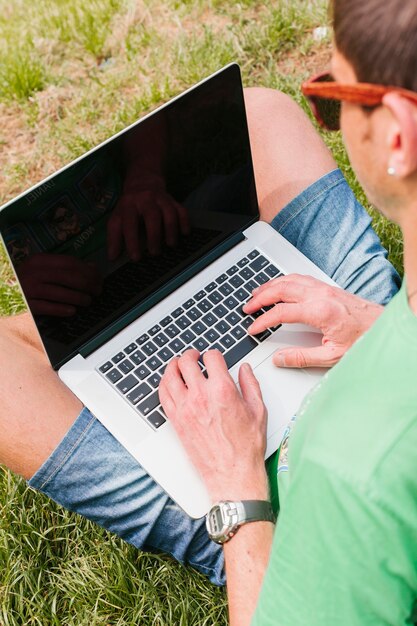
x=72, y=73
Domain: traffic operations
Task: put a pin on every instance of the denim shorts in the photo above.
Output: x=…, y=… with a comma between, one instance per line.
x=91, y=473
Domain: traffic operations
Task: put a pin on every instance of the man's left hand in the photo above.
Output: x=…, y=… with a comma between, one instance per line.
x=222, y=430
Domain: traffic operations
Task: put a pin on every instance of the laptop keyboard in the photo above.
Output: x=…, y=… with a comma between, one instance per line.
x=212, y=318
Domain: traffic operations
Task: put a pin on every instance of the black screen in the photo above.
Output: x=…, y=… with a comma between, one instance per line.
x=107, y=232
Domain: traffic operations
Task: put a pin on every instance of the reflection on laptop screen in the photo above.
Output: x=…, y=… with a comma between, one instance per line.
x=108, y=231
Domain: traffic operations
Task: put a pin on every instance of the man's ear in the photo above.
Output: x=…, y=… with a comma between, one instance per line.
x=402, y=135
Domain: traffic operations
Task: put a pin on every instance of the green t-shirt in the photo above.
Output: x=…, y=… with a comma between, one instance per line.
x=345, y=546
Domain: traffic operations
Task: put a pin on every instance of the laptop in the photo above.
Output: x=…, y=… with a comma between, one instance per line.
x=148, y=245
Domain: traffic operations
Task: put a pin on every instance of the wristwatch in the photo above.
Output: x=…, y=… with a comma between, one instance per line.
x=226, y=517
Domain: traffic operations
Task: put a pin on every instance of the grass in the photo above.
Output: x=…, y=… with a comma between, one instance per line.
x=72, y=73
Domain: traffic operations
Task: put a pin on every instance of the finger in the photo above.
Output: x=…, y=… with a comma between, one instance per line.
x=172, y=387
x=250, y=388
x=153, y=226
x=277, y=290
x=114, y=236
x=58, y=294
x=167, y=401
x=75, y=275
x=170, y=220
x=298, y=357
x=131, y=228
x=189, y=368
x=305, y=313
x=184, y=221
x=215, y=364
x=43, y=307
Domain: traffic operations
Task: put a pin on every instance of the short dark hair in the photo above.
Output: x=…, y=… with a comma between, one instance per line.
x=379, y=39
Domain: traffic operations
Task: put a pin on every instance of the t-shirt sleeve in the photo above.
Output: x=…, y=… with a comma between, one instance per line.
x=339, y=557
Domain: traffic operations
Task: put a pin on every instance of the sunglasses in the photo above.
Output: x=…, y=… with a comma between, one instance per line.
x=325, y=96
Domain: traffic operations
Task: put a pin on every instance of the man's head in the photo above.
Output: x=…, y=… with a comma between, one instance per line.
x=376, y=42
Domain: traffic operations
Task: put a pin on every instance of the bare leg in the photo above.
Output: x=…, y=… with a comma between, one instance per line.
x=36, y=408
x=288, y=154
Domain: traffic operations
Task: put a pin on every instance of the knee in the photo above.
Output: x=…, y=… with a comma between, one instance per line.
x=265, y=102
x=20, y=328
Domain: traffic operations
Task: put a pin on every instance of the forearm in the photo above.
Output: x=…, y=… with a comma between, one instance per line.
x=246, y=556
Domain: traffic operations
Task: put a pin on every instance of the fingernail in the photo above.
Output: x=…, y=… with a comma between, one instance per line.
x=249, y=328
x=279, y=359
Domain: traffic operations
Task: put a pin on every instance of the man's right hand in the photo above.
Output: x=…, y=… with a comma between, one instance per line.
x=341, y=316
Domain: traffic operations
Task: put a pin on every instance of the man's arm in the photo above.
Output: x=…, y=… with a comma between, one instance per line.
x=223, y=432
x=341, y=316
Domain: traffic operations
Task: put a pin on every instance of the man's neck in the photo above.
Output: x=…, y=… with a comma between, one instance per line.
x=409, y=229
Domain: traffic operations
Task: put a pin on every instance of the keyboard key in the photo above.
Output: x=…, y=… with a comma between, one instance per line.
x=226, y=289
x=194, y=314
x=227, y=341
x=246, y=273
x=238, y=332
x=130, y=348
x=262, y=336
x=201, y=344
x=251, y=285
x=139, y=393
x=271, y=270
x=165, y=354
x=243, y=262
x=187, y=336
x=198, y=328
x=142, y=339
x=127, y=383
x=183, y=322
x=236, y=281
x=210, y=319
x=232, y=270
x=261, y=278
x=172, y=331
x=222, y=327
x=154, y=380
x=221, y=279
x=211, y=335
x=153, y=363
x=233, y=318
x=211, y=287
x=142, y=372
x=176, y=345
x=242, y=295
x=200, y=295
x=231, y=302
x=205, y=305
x=149, y=404
x=167, y=320
x=259, y=263
x=215, y=297
x=177, y=312
x=155, y=329
x=114, y=375
x=188, y=304
x=160, y=340
x=149, y=348
x=118, y=357
x=239, y=351
x=220, y=310
x=253, y=254
x=106, y=367
x=218, y=346
x=137, y=357
x=156, y=419
x=126, y=366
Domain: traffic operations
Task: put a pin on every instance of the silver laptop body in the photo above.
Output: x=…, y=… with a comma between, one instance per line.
x=187, y=166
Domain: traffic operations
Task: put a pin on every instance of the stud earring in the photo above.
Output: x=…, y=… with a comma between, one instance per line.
x=391, y=171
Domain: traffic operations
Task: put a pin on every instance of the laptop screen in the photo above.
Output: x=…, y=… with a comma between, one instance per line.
x=107, y=232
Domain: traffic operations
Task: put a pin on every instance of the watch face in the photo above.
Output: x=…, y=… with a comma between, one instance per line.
x=220, y=524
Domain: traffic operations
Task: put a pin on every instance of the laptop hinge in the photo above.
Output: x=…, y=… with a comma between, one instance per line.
x=110, y=331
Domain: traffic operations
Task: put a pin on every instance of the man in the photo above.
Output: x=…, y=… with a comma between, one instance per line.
x=345, y=545
x=63, y=451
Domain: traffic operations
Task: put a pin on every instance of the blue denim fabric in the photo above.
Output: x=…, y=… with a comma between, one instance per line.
x=91, y=473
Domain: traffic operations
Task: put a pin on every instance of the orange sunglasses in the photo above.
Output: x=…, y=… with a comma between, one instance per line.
x=325, y=96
